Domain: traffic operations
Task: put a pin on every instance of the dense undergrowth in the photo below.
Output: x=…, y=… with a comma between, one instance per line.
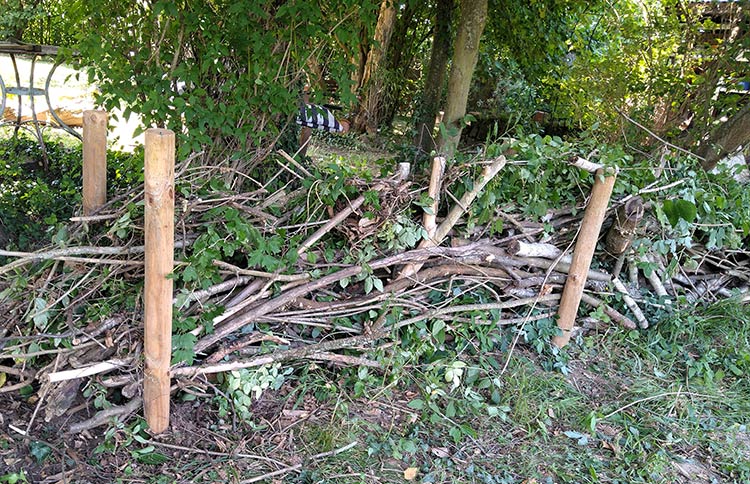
x=468, y=402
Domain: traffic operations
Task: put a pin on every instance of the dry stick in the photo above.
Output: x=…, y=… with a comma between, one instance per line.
x=94, y=161
x=95, y=369
x=656, y=397
x=585, y=164
x=614, y=314
x=347, y=360
x=297, y=467
x=284, y=355
x=103, y=416
x=215, y=289
x=333, y=222
x=488, y=173
x=236, y=455
x=478, y=307
x=653, y=278
x=69, y=253
x=654, y=135
x=159, y=258
x=436, y=180
x=524, y=249
x=299, y=291
x=583, y=253
x=268, y=275
x=630, y=303
x=295, y=163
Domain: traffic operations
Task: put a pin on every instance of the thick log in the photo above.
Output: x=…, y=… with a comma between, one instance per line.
x=622, y=231
x=584, y=251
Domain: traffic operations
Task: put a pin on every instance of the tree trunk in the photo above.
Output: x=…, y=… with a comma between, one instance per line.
x=371, y=82
x=465, y=53
x=729, y=136
x=433, y=84
x=404, y=42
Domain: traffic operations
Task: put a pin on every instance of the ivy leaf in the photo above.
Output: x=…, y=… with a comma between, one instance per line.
x=40, y=451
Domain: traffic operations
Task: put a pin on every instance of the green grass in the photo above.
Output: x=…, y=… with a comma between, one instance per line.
x=629, y=411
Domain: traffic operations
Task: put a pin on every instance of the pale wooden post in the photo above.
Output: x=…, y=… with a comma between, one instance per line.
x=583, y=253
x=94, y=161
x=159, y=239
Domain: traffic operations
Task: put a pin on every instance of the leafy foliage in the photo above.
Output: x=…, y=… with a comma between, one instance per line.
x=223, y=75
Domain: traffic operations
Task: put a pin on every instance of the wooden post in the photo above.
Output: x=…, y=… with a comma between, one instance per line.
x=94, y=161
x=159, y=239
x=582, y=254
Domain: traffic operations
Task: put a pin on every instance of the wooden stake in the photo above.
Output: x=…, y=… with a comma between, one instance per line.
x=94, y=161
x=584, y=251
x=159, y=259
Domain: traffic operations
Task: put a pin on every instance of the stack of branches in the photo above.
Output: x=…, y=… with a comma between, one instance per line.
x=307, y=310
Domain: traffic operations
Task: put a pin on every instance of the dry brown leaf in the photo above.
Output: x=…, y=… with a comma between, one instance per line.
x=410, y=473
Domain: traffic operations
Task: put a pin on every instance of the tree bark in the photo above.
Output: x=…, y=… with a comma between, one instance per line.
x=372, y=82
x=433, y=84
x=465, y=53
x=734, y=133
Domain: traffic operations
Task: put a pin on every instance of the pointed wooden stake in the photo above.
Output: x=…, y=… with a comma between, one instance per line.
x=583, y=253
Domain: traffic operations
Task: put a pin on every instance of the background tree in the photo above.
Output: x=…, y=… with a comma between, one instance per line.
x=434, y=79
x=472, y=18
x=371, y=83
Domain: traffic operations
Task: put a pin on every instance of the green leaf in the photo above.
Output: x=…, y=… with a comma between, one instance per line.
x=152, y=458
x=183, y=348
x=679, y=209
x=40, y=451
x=41, y=315
x=416, y=404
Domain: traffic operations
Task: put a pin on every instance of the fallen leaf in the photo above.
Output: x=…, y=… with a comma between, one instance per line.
x=441, y=452
x=410, y=473
x=3, y=377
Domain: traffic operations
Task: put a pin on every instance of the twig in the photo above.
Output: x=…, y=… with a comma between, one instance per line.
x=95, y=369
x=302, y=352
x=346, y=360
x=297, y=467
x=295, y=163
x=653, y=278
x=333, y=222
x=254, y=273
x=488, y=173
x=656, y=397
x=630, y=303
x=478, y=307
x=614, y=314
x=243, y=342
x=103, y=416
x=655, y=136
x=214, y=453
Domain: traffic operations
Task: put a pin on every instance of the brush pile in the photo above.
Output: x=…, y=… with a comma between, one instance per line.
x=323, y=267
